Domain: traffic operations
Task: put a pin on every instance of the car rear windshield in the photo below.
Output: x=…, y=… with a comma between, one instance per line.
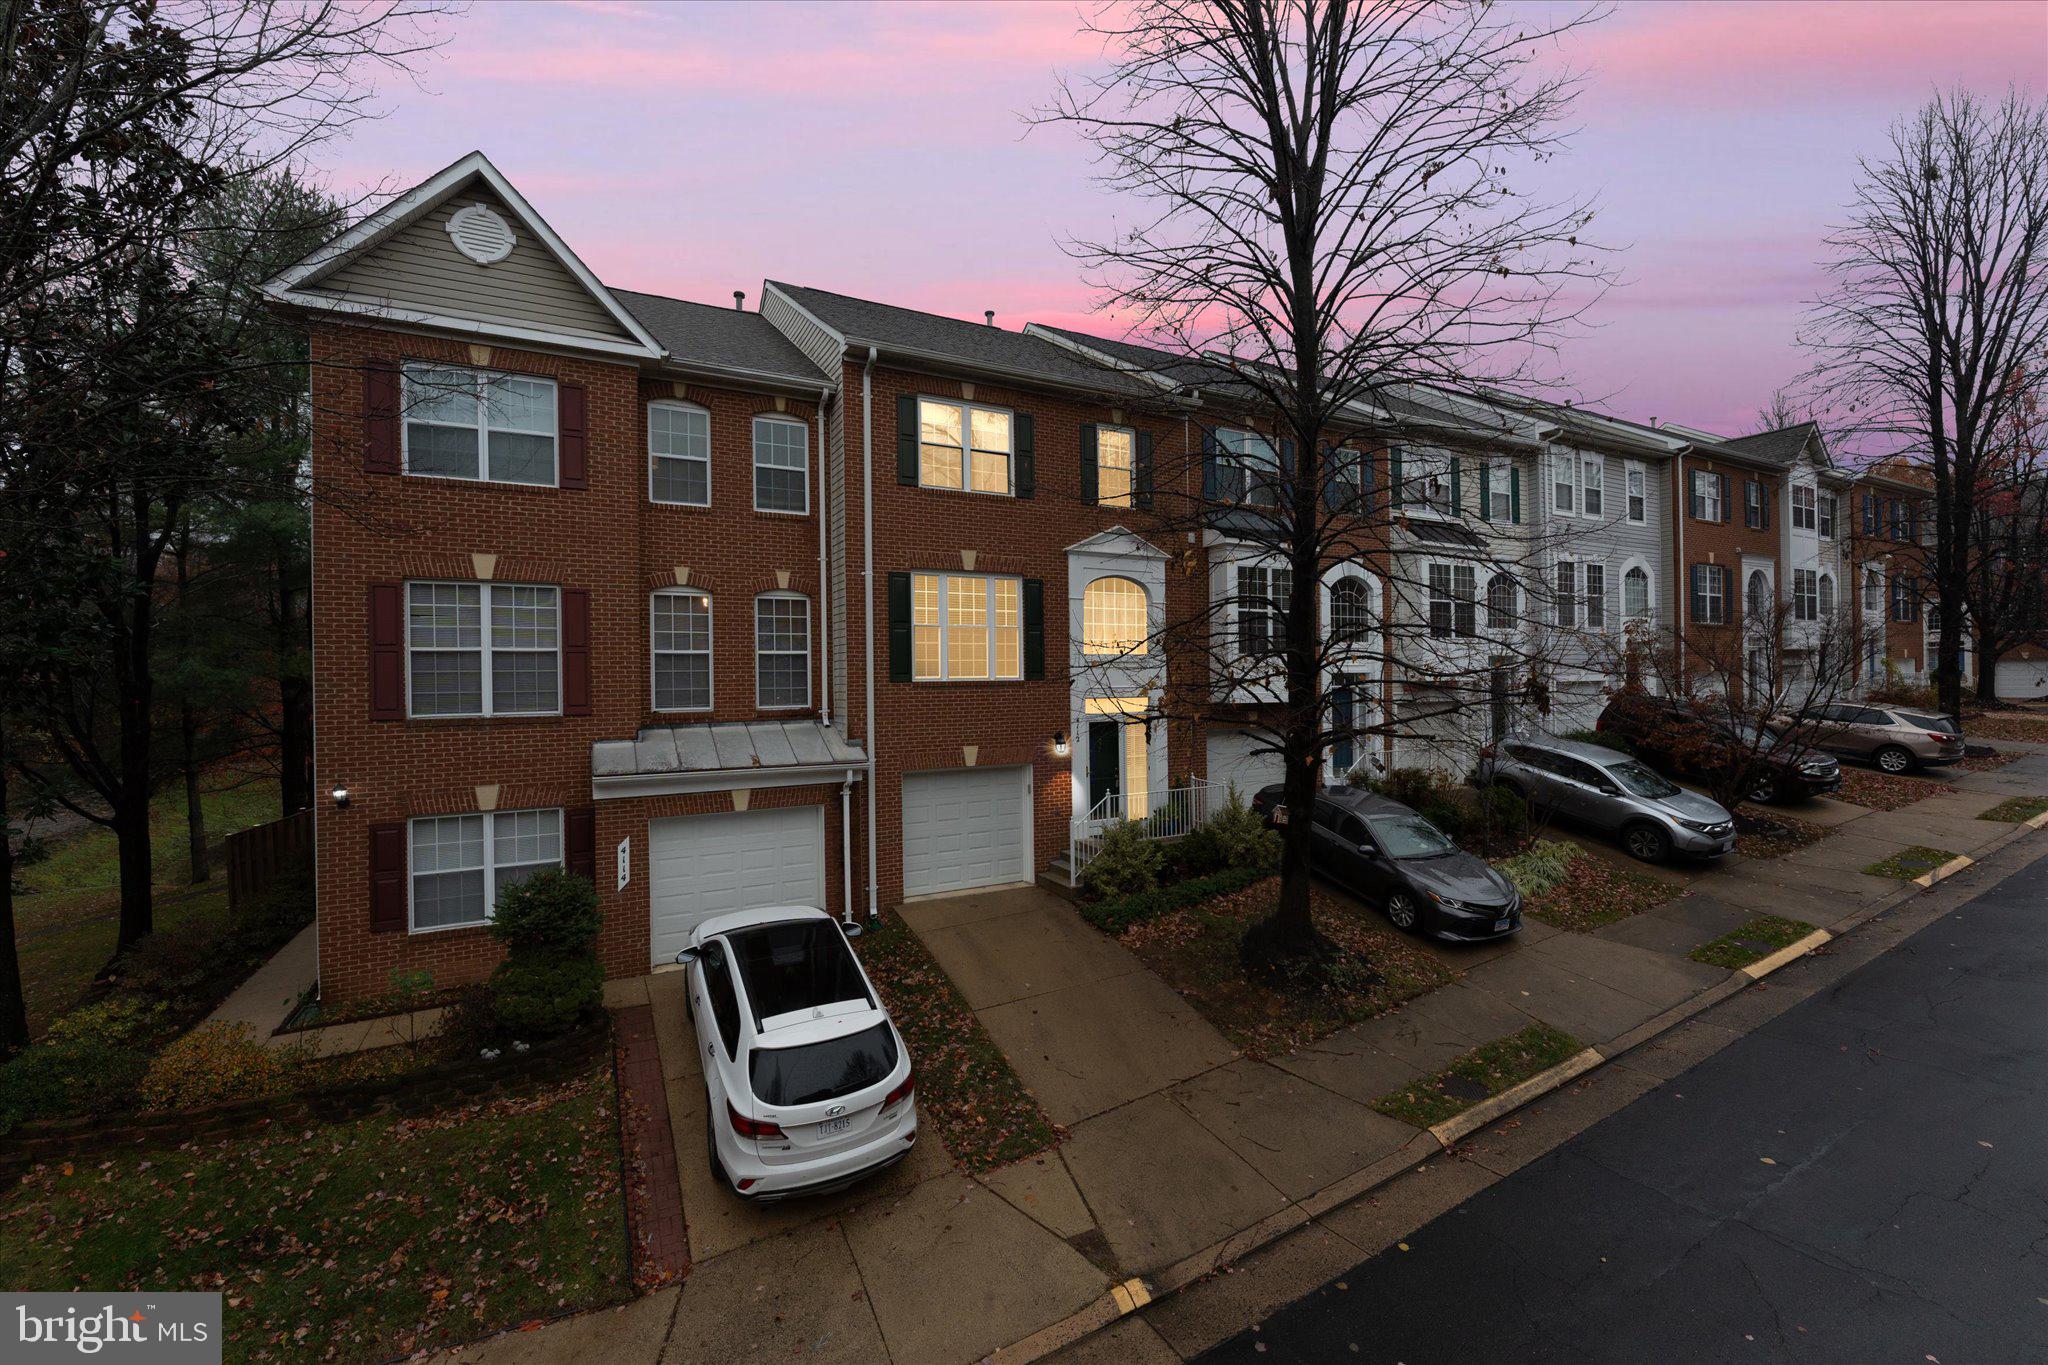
x=1642, y=781
x=1410, y=836
x=816, y=1072
x=1944, y=724
x=797, y=965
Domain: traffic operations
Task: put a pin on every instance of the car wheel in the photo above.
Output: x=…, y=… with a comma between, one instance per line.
x=1403, y=911
x=1894, y=760
x=1764, y=791
x=1646, y=842
x=718, y=1174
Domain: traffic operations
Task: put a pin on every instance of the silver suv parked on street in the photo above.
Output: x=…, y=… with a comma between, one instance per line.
x=1652, y=816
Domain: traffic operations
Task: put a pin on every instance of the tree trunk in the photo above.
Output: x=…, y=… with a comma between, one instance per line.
x=1987, y=679
x=13, y=1008
x=195, y=810
x=131, y=832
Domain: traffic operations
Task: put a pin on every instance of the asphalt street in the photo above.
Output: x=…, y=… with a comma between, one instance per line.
x=1864, y=1178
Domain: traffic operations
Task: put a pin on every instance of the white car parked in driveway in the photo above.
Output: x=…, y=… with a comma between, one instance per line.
x=810, y=1085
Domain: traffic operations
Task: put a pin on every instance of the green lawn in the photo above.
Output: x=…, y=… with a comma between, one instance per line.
x=1753, y=942
x=2016, y=809
x=355, y=1241
x=66, y=925
x=1909, y=863
x=1480, y=1074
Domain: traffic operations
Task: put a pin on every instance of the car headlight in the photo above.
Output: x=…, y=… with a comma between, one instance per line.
x=1699, y=826
x=1449, y=903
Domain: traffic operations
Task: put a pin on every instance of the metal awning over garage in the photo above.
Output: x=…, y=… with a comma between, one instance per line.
x=664, y=760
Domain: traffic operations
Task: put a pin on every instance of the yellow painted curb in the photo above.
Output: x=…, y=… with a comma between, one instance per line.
x=1764, y=966
x=2038, y=822
x=1132, y=1295
x=1514, y=1097
x=1947, y=869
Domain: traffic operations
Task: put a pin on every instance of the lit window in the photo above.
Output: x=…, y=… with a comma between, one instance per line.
x=682, y=650
x=782, y=651
x=678, y=454
x=966, y=628
x=461, y=864
x=473, y=424
x=1113, y=617
x=457, y=668
x=963, y=446
x=1115, y=460
x=781, y=466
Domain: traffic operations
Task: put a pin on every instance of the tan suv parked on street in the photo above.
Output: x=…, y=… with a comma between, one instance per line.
x=1895, y=741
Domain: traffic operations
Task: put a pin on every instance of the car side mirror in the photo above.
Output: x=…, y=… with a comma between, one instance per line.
x=686, y=957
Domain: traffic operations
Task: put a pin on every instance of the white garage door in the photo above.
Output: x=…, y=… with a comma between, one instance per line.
x=705, y=865
x=2019, y=679
x=963, y=828
x=1235, y=758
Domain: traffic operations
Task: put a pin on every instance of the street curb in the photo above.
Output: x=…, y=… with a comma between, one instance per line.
x=1785, y=956
x=1132, y=1295
x=1947, y=869
x=1514, y=1097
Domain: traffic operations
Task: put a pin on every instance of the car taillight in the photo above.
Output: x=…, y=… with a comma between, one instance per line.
x=1487, y=752
x=752, y=1128
x=903, y=1091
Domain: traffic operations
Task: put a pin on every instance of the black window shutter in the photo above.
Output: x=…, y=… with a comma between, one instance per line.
x=1212, y=471
x=1141, y=479
x=1089, y=491
x=1763, y=503
x=906, y=438
x=1457, y=487
x=1034, y=628
x=1485, y=491
x=899, y=627
x=1335, y=495
x=1515, y=494
x=1395, y=494
x=579, y=853
x=1721, y=482
x=1698, y=595
x=1024, y=432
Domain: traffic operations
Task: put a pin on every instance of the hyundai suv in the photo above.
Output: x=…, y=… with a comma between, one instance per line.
x=1652, y=817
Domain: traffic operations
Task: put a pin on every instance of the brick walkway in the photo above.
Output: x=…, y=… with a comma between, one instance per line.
x=654, y=1195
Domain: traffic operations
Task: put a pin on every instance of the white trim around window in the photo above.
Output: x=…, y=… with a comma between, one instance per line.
x=678, y=454
x=465, y=861
x=782, y=637
x=460, y=637
x=1116, y=466
x=783, y=459
x=1649, y=578
x=1635, y=492
x=478, y=426
x=973, y=442
x=679, y=626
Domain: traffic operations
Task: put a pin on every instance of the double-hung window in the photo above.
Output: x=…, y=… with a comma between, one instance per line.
x=1115, y=462
x=1873, y=592
x=1247, y=469
x=1262, y=595
x=1500, y=492
x=781, y=466
x=475, y=424
x=964, y=446
x=1453, y=601
x=461, y=864
x=782, y=651
x=483, y=649
x=1593, y=486
x=1710, y=594
x=1581, y=594
x=1637, y=481
x=1708, y=491
x=1564, y=483
x=1827, y=516
x=678, y=454
x=1805, y=595
x=682, y=650
x=1756, y=508
x=1805, y=509
x=1905, y=598
x=966, y=627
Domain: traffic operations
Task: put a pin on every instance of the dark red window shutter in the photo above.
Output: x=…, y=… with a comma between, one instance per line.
x=575, y=651
x=387, y=651
x=380, y=418
x=387, y=878
x=572, y=423
x=582, y=842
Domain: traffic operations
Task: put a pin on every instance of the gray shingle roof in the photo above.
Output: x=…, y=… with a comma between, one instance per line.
x=729, y=338
x=1184, y=370
x=972, y=344
x=1780, y=447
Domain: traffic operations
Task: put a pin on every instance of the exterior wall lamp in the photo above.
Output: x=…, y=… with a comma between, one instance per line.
x=1060, y=747
x=340, y=795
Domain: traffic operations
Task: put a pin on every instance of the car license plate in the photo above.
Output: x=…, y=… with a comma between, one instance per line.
x=1500, y=925
x=834, y=1127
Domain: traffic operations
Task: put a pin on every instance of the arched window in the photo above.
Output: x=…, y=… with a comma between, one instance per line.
x=1501, y=603
x=1350, y=609
x=1635, y=593
x=1759, y=595
x=1113, y=617
x=1827, y=595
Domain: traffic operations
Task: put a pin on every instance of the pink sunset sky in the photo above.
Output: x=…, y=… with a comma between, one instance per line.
x=877, y=150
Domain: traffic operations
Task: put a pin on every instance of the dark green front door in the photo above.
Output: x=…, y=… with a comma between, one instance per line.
x=1105, y=760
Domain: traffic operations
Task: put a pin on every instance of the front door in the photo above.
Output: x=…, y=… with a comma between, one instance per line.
x=1105, y=762
x=1343, y=717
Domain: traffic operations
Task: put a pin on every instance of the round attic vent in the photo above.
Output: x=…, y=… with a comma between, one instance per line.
x=480, y=234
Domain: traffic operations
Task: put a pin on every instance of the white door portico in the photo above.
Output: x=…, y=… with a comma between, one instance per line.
x=1119, y=754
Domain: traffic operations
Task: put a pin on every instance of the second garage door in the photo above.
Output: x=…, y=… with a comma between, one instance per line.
x=1235, y=759
x=964, y=828
x=2022, y=679
x=705, y=865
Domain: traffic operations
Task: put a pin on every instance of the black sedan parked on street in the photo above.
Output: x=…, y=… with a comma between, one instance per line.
x=1393, y=858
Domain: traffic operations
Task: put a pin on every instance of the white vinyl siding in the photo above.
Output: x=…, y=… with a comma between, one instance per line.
x=460, y=864
x=966, y=628
x=781, y=466
x=681, y=646
x=678, y=454
x=455, y=667
x=479, y=425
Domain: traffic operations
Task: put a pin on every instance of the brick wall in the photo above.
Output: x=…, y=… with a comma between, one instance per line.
x=1724, y=543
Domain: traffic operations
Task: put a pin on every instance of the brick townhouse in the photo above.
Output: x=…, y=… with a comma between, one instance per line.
x=835, y=602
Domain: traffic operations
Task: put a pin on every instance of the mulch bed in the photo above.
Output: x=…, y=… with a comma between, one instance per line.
x=1596, y=894
x=1991, y=762
x=1881, y=791
x=2024, y=730
x=965, y=1086
x=1195, y=951
x=1760, y=836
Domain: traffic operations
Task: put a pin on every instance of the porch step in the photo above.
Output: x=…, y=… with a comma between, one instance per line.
x=1054, y=877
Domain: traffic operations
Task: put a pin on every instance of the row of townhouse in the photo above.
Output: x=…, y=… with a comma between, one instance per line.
x=839, y=603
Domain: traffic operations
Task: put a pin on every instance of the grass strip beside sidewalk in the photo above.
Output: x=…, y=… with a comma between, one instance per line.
x=1480, y=1074
x=1753, y=942
x=2017, y=810
x=1909, y=863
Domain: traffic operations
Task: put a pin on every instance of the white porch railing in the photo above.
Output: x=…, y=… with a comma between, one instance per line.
x=1159, y=815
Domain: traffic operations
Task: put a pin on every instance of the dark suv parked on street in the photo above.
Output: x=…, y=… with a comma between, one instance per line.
x=1675, y=737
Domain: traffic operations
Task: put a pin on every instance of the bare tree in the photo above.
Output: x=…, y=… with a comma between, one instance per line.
x=2007, y=591
x=1938, y=299
x=1329, y=218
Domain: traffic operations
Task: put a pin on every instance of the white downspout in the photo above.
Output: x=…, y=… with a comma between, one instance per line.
x=846, y=919
x=867, y=596
x=824, y=581
x=1681, y=591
